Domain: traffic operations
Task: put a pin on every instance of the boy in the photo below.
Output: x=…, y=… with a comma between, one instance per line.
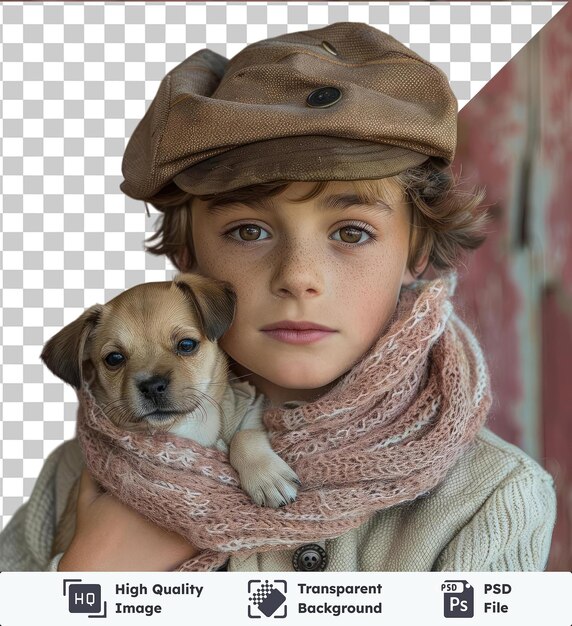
x=310, y=173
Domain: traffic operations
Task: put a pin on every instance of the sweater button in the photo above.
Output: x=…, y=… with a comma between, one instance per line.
x=323, y=97
x=310, y=558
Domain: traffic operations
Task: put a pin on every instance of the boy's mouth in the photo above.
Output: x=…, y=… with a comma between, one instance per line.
x=297, y=332
x=302, y=326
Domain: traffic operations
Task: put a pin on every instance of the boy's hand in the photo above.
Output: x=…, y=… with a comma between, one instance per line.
x=111, y=536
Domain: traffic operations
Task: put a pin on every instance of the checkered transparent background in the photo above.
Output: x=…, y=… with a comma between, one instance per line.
x=76, y=79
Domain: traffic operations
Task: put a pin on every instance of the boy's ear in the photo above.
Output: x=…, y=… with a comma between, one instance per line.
x=409, y=276
x=185, y=261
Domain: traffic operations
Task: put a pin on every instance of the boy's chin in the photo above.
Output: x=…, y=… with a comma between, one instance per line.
x=309, y=384
x=286, y=380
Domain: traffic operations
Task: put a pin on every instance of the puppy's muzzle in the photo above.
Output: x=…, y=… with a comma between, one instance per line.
x=154, y=388
x=157, y=392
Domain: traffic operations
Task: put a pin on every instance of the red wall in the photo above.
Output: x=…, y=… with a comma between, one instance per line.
x=515, y=138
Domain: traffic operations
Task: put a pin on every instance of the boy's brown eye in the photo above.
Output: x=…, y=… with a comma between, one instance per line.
x=356, y=234
x=350, y=234
x=249, y=232
x=245, y=233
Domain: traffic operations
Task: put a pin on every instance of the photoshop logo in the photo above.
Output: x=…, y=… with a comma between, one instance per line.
x=266, y=598
x=458, y=598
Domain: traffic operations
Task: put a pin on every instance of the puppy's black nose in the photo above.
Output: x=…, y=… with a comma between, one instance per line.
x=154, y=387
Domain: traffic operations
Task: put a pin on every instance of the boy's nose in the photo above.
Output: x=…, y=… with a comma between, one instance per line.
x=298, y=273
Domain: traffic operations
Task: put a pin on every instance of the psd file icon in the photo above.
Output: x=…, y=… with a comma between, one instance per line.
x=267, y=598
x=458, y=598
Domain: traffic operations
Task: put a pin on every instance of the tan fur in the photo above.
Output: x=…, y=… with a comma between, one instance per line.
x=145, y=325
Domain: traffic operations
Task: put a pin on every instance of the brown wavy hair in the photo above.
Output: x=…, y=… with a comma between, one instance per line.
x=446, y=218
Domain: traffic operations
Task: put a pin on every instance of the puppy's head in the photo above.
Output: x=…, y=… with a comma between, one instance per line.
x=150, y=352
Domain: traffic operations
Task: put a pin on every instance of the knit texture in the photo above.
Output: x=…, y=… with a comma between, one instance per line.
x=387, y=433
x=493, y=485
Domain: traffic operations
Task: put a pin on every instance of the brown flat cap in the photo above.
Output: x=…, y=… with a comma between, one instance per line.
x=344, y=102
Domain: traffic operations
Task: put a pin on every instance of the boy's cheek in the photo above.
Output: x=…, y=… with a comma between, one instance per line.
x=213, y=261
x=212, y=266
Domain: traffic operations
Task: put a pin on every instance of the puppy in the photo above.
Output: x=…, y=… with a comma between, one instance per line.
x=151, y=359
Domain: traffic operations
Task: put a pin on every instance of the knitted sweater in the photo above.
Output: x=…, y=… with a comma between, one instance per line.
x=495, y=511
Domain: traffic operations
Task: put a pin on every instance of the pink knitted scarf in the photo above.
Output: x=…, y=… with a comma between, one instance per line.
x=387, y=433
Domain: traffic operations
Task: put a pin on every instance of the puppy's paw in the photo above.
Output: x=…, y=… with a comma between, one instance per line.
x=269, y=481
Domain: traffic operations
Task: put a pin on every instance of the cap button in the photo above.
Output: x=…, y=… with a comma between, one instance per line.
x=310, y=558
x=323, y=97
x=329, y=48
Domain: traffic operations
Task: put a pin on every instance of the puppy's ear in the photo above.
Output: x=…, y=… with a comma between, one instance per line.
x=64, y=352
x=213, y=300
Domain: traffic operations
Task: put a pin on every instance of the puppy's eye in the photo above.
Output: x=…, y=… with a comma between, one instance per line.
x=187, y=345
x=114, y=358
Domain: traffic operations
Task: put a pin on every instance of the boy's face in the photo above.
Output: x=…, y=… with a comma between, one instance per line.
x=340, y=266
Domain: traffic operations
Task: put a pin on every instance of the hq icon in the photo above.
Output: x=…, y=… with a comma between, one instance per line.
x=458, y=598
x=84, y=598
